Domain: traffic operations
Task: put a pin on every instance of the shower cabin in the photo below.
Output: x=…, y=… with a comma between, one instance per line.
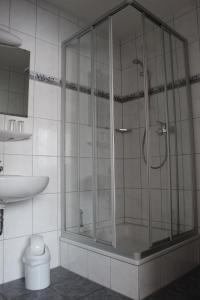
x=127, y=162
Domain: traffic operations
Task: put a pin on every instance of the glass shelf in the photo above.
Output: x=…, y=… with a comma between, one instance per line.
x=6, y=136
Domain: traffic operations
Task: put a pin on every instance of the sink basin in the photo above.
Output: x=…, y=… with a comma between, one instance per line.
x=15, y=188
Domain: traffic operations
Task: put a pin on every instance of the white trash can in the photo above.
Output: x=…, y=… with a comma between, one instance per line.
x=36, y=260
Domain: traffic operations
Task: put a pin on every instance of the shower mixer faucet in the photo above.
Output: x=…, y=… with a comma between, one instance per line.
x=162, y=130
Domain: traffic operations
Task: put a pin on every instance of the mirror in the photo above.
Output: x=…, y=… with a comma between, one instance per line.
x=14, y=81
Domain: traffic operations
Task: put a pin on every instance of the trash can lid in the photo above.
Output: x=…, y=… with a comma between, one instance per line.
x=36, y=260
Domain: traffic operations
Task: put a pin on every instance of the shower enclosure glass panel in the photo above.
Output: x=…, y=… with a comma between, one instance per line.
x=78, y=138
x=87, y=136
x=102, y=136
x=127, y=159
x=159, y=184
x=180, y=138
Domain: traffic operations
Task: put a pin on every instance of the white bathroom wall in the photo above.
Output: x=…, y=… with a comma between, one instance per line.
x=41, y=28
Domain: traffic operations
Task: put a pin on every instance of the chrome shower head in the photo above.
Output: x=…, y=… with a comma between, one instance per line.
x=136, y=61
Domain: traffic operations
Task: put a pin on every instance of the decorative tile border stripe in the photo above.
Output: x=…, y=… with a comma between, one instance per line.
x=44, y=78
x=102, y=94
x=69, y=85
x=87, y=90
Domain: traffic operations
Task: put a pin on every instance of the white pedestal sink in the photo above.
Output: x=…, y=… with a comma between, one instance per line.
x=15, y=188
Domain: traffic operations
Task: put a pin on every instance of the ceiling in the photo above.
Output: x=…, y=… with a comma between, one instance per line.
x=89, y=10
x=126, y=23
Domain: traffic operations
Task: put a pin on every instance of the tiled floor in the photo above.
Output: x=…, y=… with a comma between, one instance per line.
x=66, y=285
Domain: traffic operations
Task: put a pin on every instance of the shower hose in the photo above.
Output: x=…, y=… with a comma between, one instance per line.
x=143, y=152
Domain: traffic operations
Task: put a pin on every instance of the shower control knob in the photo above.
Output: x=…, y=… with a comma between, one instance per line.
x=162, y=130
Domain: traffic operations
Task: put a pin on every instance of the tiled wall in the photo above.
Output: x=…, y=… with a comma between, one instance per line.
x=41, y=28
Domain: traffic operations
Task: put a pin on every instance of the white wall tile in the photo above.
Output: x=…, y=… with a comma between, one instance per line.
x=46, y=101
x=128, y=52
x=187, y=26
x=86, y=199
x=48, y=6
x=47, y=26
x=71, y=139
x=4, y=12
x=119, y=173
x=45, y=137
x=23, y=16
x=67, y=28
x=129, y=81
x=103, y=173
x=118, y=145
x=124, y=278
x=71, y=174
x=133, y=205
x=132, y=173
x=45, y=213
x=72, y=210
x=103, y=143
x=71, y=106
x=119, y=195
x=130, y=114
x=149, y=277
x=13, y=253
x=86, y=141
x=46, y=166
x=194, y=56
x=18, y=219
x=99, y=268
x=17, y=165
x=85, y=174
x=77, y=260
x=103, y=205
x=46, y=58
x=64, y=254
x=132, y=144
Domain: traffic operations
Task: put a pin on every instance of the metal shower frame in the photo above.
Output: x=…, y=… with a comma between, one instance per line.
x=164, y=28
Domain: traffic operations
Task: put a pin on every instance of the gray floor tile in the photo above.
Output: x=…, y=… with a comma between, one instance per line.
x=60, y=274
x=105, y=294
x=3, y=297
x=46, y=294
x=13, y=289
x=75, y=288
x=66, y=285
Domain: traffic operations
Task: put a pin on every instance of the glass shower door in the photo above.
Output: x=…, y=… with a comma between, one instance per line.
x=168, y=136
x=78, y=138
x=180, y=139
x=103, y=131
x=88, y=150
